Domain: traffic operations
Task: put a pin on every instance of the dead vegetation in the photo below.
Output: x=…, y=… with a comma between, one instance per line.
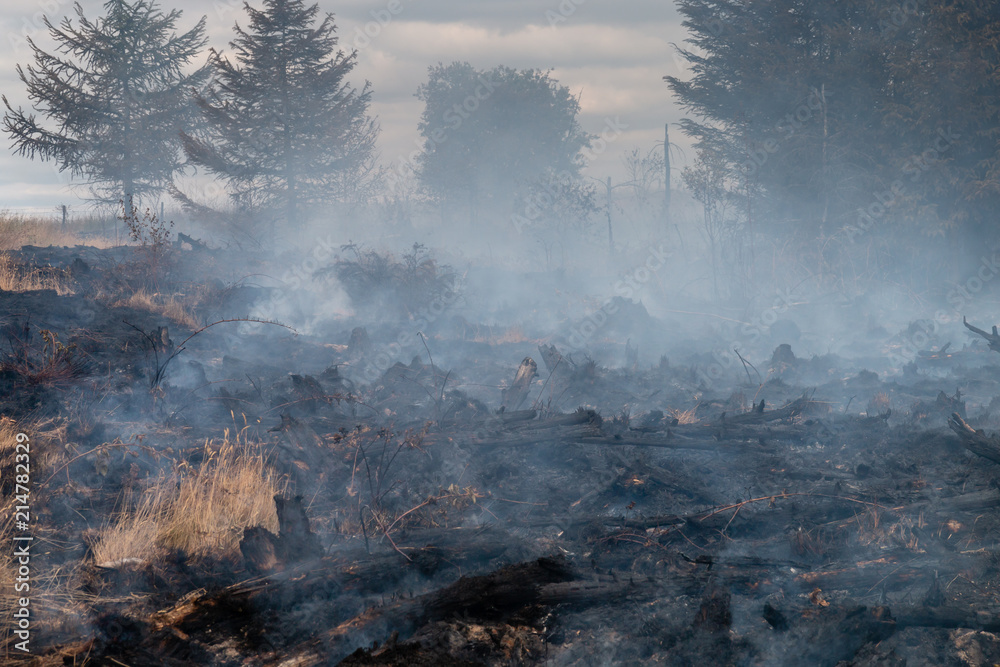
x=42, y=360
x=380, y=282
x=15, y=277
x=171, y=307
x=474, y=509
x=200, y=511
x=17, y=231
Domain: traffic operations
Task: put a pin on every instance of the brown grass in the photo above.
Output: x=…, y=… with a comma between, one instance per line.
x=170, y=307
x=15, y=277
x=512, y=334
x=880, y=404
x=201, y=511
x=684, y=416
x=54, y=590
x=8, y=568
x=20, y=230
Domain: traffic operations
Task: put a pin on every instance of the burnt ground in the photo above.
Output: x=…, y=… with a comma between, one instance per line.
x=815, y=511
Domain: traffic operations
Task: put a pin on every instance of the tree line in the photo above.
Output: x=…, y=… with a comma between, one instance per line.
x=122, y=106
x=845, y=119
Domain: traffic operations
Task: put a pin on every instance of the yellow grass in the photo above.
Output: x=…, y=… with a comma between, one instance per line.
x=15, y=277
x=879, y=404
x=45, y=585
x=8, y=567
x=511, y=334
x=20, y=230
x=134, y=536
x=169, y=307
x=201, y=511
x=684, y=416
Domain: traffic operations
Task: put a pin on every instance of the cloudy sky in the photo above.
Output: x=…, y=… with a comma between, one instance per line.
x=612, y=55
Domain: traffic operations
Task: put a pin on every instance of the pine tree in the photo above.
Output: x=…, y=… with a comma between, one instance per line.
x=116, y=96
x=790, y=94
x=284, y=128
x=945, y=114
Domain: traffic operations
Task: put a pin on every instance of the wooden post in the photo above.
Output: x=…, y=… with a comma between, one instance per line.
x=666, y=173
x=611, y=238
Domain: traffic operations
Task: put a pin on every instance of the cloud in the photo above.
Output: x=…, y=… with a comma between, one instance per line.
x=613, y=55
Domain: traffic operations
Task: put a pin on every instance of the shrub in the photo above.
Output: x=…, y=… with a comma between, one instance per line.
x=380, y=282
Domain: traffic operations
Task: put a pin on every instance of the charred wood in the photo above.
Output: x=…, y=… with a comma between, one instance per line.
x=975, y=441
x=517, y=392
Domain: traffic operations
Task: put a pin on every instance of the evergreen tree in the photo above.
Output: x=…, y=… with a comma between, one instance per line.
x=945, y=113
x=115, y=96
x=852, y=115
x=788, y=93
x=284, y=128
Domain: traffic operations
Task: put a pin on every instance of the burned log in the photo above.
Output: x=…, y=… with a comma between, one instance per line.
x=514, y=395
x=975, y=441
x=553, y=359
x=263, y=551
x=195, y=244
x=759, y=416
x=992, y=339
x=359, y=347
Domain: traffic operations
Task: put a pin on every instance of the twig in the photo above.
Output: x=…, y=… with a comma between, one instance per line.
x=162, y=368
x=89, y=451
x=738, y=506
x=745, y=363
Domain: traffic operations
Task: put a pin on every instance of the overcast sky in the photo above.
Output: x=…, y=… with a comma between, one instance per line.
x=612, y=55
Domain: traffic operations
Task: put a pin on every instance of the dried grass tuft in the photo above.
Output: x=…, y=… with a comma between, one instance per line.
x=169, y=307
x=202, y=512
x=15, y=277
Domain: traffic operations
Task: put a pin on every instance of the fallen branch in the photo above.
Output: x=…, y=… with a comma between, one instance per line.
x=975, y=441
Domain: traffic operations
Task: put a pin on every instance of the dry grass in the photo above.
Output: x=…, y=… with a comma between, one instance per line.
x=170, y=307
x=53, y=590
x=134, y=537
x=511, y=334
x=15, y=277
x=879, y=405
x=684, y=416
x=20, y=230
x=8, y=568
x=201, y=511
